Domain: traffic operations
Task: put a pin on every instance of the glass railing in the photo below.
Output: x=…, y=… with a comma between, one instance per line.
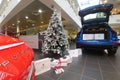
x=3, y=5
x=6, y=6
x=75, y=6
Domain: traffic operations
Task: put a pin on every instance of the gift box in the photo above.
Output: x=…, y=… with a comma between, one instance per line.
x=63, y=61
x=75, y=52
x=69, y=59
x=59, y=71
x=42, y=66
x=55, y=63
x=66, y=60
x=58, y=63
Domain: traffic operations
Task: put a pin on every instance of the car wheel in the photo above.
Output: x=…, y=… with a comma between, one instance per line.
x=83, y=50
x=77, y=46
x=112, y=51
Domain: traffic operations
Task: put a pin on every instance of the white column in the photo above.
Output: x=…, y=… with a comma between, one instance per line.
x=18, y=28
x=5, y=30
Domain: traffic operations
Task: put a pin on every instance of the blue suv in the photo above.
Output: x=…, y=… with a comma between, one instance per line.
x=96, y=32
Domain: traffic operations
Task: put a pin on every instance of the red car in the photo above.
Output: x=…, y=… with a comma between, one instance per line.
x=16, y=59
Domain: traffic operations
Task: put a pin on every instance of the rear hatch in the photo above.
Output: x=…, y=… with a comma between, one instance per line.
x=95, y=24
x=95, y=14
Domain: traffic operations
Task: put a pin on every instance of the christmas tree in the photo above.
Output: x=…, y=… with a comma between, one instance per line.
x=55, y=40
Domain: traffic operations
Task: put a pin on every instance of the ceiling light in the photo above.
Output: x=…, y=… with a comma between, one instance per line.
x=33, y=24
x=105, y=1
x=13, y=24
x=26, y=17
x=18, y=21
x=40, y=11
x=42, y=22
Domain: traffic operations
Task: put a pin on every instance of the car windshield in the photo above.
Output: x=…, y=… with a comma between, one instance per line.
x=98, y=15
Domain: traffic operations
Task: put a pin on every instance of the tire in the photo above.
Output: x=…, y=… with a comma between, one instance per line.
x=77, y=46
x=112, y=51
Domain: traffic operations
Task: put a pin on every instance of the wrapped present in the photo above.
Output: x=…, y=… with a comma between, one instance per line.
x=69, y=59
x=55, y=63
x=59, y=71
x=63, y=61
x=59, y=63
x=42, y=66
x=75, y=52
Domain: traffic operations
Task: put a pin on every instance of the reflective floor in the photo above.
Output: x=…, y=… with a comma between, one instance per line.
x=90, y=65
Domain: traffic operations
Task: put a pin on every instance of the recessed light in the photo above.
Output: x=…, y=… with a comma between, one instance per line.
x=33, y=24
x=26, y=17
x=40, y=11
x=42, y=22
x=18, y=21
x=13, y=24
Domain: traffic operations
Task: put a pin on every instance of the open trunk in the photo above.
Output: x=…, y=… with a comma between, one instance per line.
x=96, y=33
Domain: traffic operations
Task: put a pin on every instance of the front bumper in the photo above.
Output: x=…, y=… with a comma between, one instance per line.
x=31, y=72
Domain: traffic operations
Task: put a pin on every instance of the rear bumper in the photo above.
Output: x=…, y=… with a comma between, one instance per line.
x=96, y=46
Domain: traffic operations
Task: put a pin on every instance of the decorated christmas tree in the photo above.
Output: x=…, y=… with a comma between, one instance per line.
x=55, y=39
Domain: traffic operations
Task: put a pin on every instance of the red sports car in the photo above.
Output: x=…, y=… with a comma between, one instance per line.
x=16, y=59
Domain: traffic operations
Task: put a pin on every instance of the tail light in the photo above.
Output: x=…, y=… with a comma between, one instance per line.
x=115, y=42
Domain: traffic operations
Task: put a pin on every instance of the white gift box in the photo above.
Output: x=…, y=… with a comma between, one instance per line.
x=59, y=63
x=63, y=61
x=75, y=52
x=79, y=51
x=42, y=66
x=59, y=71
x=55, y=63
x=69, y=59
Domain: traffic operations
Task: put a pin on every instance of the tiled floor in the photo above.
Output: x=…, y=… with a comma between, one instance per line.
x=90, y=65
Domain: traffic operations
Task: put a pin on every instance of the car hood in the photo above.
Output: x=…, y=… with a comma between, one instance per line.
x=106, y=8
x=15, y=58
